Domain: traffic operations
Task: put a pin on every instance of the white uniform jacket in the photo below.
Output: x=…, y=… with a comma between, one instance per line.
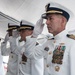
x=59, y=51
x=24, y=68
x=31, y=66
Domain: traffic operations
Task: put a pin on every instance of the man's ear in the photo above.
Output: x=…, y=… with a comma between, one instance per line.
x=10, y=33
x=64, y=20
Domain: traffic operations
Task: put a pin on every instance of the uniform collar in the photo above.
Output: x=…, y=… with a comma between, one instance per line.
x=61, y=35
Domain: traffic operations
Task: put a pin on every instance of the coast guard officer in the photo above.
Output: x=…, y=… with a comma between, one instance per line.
x=60, y=50
x=12, y=62
x=26, y=29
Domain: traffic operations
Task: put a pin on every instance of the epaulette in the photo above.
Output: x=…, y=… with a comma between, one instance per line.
x=71, y=36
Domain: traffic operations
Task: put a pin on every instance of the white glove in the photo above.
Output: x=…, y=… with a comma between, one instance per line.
x=15, y=34
x=38, y=28
x=6, y=37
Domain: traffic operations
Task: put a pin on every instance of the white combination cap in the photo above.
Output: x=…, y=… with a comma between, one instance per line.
x=12, y=26
x=56, y=8
x=26, y=25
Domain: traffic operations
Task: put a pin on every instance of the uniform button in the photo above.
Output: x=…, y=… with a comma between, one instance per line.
x=57, y=68
x=50, y=52
x=47, y=65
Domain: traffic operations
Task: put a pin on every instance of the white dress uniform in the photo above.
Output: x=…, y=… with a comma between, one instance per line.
x=31, y=66
x=23, y=66
x=60, y=54
x=12, y=62
x=18, y=49
x=13, y=58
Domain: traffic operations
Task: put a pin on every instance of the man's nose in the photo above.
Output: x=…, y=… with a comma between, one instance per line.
x=47, y=22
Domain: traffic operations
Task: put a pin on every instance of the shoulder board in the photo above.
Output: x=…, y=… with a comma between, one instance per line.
x=71, y=36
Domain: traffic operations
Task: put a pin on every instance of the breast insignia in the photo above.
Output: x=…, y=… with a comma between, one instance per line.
x=58, y=54
x=24, y=59
x=71, y=36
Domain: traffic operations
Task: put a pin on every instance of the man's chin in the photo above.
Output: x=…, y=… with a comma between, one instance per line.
x=50, y=31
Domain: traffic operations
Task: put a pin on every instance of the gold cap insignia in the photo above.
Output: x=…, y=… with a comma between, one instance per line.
x=47, y=6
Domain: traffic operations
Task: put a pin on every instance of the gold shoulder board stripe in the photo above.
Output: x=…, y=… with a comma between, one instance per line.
x=71, y=36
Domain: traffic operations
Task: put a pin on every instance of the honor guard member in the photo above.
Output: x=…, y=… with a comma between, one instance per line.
x=28, y=66
x=6, y=49
x=60, y=50
x=26, y=29
x=37, y=65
